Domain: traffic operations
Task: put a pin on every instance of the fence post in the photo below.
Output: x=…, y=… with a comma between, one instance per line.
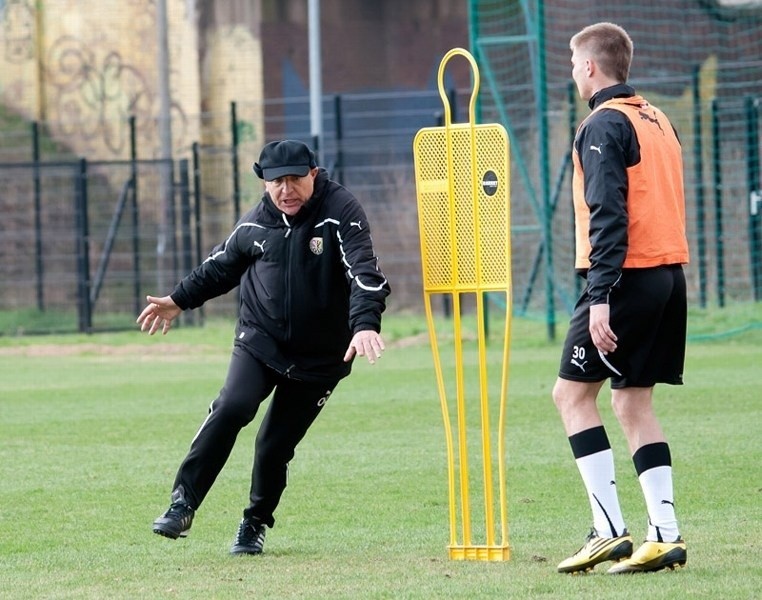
x=197, y=213
x=185, y=226
x=698, y=165
x=84, y=307
x=717, y=182
x=571, y=99
x=316, y=148
x=172, y=217
x=185, y=217
x=234, y=159
x=541, y=85
x=752, y=174
x=37, y=218
x=138, y=301
x=446, y=298
x=453, y=98
x=339, y=132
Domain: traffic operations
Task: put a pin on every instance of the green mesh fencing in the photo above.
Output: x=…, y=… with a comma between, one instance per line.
x=701, y=62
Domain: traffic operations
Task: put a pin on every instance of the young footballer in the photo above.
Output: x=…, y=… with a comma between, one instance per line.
x=629, y=324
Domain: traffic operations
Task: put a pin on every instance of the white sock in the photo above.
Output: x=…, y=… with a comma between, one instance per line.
x=597, y=472
x=658, y=492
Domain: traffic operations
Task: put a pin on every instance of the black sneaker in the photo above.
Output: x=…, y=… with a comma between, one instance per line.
x=177, y=520
x=250, y=538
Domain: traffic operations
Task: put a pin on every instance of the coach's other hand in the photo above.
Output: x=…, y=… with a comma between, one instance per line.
x=366, y=343
x=160, y=312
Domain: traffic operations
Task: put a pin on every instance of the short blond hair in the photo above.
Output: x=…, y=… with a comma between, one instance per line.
x=609, y=45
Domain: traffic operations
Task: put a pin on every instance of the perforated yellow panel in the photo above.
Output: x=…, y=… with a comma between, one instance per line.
x=463, y=190
x=464, y=207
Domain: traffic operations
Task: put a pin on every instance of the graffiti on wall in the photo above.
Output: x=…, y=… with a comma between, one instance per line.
x=91, y=86
x=92, y=98
x=18, y=29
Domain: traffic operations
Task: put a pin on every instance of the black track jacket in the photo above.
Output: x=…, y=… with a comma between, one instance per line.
x=308, y=283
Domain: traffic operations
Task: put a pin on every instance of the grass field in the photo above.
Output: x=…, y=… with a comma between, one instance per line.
x=93, y=428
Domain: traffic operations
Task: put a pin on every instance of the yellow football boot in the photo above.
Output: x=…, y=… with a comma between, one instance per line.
x=597, y=550
x=654, y=556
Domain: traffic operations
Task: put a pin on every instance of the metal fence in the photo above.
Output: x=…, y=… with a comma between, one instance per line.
x=82, y=240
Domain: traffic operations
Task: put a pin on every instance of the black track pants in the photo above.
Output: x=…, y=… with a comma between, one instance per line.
x=294, y=407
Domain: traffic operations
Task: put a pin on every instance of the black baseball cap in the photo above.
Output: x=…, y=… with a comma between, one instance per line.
x=284, y=157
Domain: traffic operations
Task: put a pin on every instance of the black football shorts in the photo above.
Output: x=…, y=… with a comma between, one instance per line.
x=648, y=314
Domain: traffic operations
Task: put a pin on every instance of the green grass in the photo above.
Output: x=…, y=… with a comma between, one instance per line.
x=92, y=429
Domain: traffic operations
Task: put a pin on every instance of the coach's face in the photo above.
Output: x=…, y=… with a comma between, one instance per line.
x=291, y=192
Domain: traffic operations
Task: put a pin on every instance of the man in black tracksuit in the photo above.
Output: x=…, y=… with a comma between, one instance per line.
x=311, y=298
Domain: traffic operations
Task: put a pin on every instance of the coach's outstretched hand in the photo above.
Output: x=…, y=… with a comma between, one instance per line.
x=160, y=312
